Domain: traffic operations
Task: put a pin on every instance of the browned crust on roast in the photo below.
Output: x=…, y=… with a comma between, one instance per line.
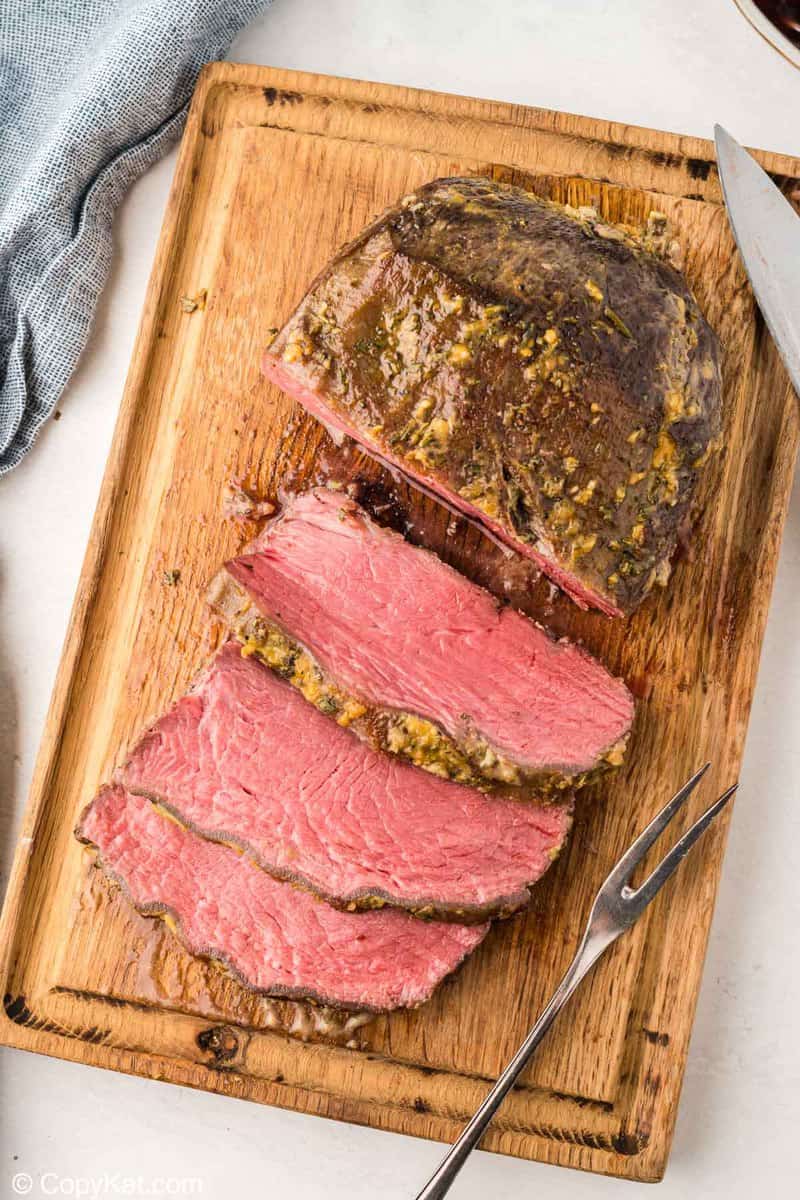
x=579, y=415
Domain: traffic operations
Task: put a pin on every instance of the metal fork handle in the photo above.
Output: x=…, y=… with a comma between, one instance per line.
x=616, y=907
x=593, y=944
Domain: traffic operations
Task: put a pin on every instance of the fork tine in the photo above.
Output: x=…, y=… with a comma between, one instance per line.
x=636, y=852
x=656, y=880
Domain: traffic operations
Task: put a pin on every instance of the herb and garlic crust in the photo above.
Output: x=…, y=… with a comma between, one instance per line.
x=542, y=370
x=392, y=643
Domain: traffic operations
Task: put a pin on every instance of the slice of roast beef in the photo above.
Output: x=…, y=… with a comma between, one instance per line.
x=273, y=937
x=540, y=369
x=244, y=759
x=387, y=639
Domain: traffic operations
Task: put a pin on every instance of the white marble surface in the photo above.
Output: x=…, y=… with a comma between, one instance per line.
x=665, y=63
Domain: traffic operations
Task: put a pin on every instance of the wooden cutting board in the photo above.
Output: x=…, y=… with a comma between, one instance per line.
x=276, y=170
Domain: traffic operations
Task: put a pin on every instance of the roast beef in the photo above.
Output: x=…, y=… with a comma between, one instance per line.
x=275, y=938
x=244, y=759
x=538, y=367
x=388, y=640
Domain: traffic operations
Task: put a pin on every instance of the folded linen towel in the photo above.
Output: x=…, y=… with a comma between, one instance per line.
x=91, y=93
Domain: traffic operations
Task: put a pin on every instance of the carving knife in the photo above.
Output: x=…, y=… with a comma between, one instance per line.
x=767, y=232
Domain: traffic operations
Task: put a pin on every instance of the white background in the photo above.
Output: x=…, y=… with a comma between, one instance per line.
x=672, y=64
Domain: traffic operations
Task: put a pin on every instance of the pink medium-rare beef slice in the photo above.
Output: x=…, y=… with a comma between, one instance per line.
x=540, y=369
x=245, y=760
x=275, y=938
x=390, y=641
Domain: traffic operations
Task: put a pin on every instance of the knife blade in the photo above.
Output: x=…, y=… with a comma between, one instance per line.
x=767, y=232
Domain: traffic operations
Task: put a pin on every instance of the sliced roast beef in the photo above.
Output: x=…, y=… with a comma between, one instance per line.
x=387, y=639
x=275, y=938
x=244, y=759
x=543, y=370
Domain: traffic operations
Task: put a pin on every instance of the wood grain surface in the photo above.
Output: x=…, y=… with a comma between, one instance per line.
x=276, y=170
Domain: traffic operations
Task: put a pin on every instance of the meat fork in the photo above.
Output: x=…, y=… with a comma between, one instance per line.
x=616, y=907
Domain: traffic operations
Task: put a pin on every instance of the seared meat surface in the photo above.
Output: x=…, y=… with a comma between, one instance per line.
x=543, y=371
